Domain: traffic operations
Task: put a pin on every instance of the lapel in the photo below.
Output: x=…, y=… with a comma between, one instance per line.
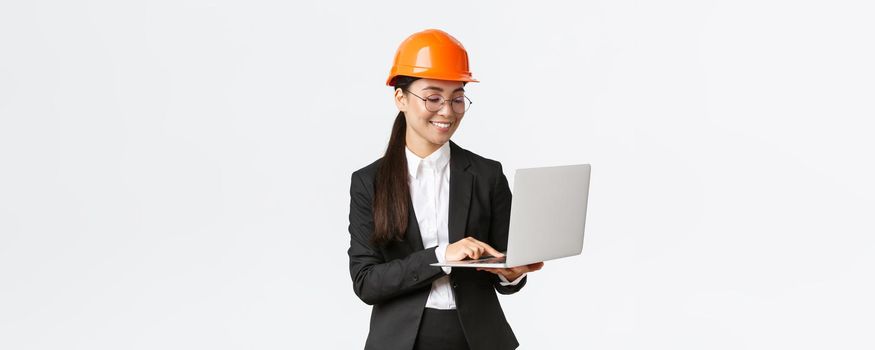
x=414, y=236
x=461, y=185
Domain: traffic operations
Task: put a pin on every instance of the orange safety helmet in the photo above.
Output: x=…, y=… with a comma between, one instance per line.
x=433, y=54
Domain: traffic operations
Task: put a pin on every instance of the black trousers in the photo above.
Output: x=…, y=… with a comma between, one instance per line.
x=440, y=330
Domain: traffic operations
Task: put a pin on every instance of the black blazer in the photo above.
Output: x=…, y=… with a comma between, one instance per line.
x=396, y=278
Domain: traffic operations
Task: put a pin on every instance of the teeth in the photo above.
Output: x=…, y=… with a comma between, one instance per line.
x=443, y=125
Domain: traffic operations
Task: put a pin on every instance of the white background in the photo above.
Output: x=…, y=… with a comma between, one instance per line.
x=175, y=174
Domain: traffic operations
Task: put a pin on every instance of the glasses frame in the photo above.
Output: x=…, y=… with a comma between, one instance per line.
x=443, y=102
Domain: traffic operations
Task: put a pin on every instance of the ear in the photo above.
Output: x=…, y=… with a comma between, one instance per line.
x=400, y=100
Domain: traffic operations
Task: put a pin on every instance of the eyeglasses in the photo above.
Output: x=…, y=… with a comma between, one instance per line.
x=435, y=102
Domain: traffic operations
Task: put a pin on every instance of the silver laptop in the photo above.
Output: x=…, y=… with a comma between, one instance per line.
x=547, y=215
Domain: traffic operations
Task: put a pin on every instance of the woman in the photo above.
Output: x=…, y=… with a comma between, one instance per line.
x=428, y=200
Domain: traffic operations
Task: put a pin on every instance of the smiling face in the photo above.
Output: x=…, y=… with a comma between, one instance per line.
x=426, y=130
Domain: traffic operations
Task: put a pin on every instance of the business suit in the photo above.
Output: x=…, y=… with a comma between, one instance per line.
x=396, y=278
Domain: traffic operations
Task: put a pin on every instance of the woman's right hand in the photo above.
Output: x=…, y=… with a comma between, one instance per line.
x=469, y=247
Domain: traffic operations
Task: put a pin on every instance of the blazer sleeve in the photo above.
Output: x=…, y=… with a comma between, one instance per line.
x=500, y=225
x=374, y=279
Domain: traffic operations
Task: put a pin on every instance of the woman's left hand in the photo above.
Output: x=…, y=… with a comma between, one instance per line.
x=513, y=273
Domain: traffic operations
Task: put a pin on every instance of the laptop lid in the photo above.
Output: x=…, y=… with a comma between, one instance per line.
x=548, y=213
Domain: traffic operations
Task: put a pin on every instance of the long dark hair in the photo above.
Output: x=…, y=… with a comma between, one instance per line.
x=391, y=190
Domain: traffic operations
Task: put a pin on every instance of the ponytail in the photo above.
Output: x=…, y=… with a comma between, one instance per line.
x=391, y=190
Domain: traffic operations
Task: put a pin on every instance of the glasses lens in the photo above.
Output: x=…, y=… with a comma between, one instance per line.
x=433, y=103
x=460, y=104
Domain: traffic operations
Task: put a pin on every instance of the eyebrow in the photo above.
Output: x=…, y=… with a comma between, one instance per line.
x=441, y=90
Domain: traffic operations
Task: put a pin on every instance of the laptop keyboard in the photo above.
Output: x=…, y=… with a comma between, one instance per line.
x=489, y=260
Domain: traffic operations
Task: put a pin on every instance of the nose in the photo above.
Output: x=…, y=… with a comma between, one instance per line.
x=446, y=109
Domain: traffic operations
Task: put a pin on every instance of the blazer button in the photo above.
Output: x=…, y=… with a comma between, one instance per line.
x=455, y=285
x=415, y=278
